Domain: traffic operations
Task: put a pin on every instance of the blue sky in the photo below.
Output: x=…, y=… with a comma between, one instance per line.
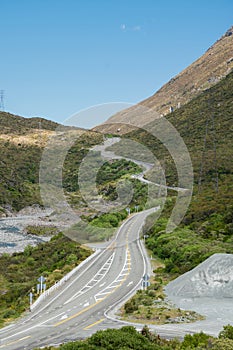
x=61, y=56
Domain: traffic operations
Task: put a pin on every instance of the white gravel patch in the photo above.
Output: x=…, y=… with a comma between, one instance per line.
x=12, y=230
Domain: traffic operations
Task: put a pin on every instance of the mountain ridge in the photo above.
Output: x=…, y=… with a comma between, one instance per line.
x=206, y=71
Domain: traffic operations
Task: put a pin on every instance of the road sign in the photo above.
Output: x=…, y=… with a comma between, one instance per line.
x=41, y=286
x=146, y=277
x=145, y=284
x=41, y=279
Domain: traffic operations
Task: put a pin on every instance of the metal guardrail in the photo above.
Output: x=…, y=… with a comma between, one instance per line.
x=62, y=281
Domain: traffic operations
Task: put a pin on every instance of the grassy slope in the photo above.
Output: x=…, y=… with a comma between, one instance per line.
x=21, y=147
x=13, y=124
x=208, y=225
x=19, y=160
x=210, y=216
x=19, y=272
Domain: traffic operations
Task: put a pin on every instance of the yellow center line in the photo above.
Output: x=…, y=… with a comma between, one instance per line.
x=15, y=341
x=77, y=314
x=93, y=324
x=112, y=246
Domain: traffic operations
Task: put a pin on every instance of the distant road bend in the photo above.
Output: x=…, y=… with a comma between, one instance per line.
x=80, y=306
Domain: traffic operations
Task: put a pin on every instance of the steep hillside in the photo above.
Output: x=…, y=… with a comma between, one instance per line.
x=205, y=72
x=22, y=141
x=205, y=124
x=12, y=124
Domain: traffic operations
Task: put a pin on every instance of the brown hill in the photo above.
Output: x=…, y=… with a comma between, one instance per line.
x=215, y=64
x=14, y=124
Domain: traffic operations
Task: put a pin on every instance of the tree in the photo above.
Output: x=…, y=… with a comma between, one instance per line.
x=227, y=332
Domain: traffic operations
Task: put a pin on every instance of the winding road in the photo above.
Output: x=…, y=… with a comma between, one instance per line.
x=88, y=301
x=81, y=306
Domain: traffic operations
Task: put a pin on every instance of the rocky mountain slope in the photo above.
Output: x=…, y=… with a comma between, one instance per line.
x=205, y=72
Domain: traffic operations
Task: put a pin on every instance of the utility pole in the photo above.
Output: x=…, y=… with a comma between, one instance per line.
x=40, y=133
x=2, y=107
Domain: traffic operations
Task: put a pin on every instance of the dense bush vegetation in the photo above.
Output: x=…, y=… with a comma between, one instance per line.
x=207, y=227
x=115, y=169
x=40, y=230
x=213, y=109
x=20, y=161
x=19, y=272
x=148, y=306
x=184, y=248
x=128, y=338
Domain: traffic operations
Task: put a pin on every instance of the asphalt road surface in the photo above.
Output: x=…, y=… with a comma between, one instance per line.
x=88, y=301
x=80, y=306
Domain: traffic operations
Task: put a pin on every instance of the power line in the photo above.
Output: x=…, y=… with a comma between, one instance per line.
x=210, y=133
x=215, y=153
x=203, y=156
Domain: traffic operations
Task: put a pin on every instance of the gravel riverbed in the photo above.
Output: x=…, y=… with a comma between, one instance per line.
x=13, y=237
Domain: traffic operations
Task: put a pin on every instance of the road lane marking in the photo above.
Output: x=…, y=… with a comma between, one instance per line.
x=77, y=314
x=35, y=326
x=112, y=246
x=15, y=341
x=104, y=293
x=69, y=285
x=120, y=278
x=93, y=324
x=98, y=300
x=96, y=258
x=105, y=268
x=63, y=317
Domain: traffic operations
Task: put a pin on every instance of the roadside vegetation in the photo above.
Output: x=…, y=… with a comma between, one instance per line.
x=128, y=338
x=185, y=247
x=19, y=272
x=207, y=227
x=150, y=307
x=205, y=124
x=40, y=230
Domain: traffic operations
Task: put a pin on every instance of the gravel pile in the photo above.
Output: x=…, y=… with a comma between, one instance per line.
x=212, y=278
